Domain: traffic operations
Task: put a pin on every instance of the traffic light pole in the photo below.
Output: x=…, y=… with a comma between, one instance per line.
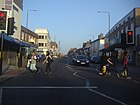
x=1, y=52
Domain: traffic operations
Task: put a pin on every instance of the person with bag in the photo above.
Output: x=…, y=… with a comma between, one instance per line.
x=102, y=63
x=109, y=63
x=48, y=61
x=33, y=63
x=124, y=72
x=29, y=61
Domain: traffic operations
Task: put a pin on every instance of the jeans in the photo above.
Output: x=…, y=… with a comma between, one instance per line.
x=48, y=69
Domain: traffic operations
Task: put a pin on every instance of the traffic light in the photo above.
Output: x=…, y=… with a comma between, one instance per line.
x=130, y=37
x=10, y=29
x=123, y=38
x=3, y=17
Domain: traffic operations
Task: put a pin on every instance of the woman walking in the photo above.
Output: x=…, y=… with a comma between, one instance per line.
x=33, y=66
x=48, y=61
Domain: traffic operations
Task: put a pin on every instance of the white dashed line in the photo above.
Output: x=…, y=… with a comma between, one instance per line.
x=48, y=87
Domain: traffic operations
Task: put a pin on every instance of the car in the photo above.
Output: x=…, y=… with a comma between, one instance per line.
x=95, y=59
x=81, y=60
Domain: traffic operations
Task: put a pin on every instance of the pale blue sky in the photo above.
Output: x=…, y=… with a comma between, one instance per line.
x=73, y=22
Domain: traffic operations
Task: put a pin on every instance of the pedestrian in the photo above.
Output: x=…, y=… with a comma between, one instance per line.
x=102, y=62
x=29, y=61
x=48, y=61
x=109, y=63
x=124, y=72
x=19, y=59
x=33, y=63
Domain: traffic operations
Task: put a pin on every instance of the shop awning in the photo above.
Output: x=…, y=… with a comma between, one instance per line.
x=16, y=41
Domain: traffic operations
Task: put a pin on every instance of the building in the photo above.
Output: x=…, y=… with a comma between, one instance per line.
x=44, y=40
x=15, y=47
x=87, y=48
x=12, y=45
x=54, y=49
x=97, y=46
x=30, y=38
x=131, y=22
x=14, y=9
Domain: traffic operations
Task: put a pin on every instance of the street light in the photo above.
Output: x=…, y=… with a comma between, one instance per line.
x=108, y=24
x=27, y=19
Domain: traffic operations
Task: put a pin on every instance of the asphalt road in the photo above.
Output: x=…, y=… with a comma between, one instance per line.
x=68, y=85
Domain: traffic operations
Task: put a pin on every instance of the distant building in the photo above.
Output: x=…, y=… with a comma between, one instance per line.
x=72, y=51
x=87, y=48
x=54, y=49
x=97, y=45
x=44, y=40
x=28, y=36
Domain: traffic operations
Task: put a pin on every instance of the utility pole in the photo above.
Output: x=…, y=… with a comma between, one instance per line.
x=1, y=52
x=59, y=48
x=3, y=25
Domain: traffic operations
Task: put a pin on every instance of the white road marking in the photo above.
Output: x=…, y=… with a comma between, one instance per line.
x=136, y=81
x=81, y=77
x=113, y=99
x=87, y=80
x=1, y=95
x=48, y=87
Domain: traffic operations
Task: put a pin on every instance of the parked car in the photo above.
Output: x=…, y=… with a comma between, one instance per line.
x=81, y=60
x=95, y=59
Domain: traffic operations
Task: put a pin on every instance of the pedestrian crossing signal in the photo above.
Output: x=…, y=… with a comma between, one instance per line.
x=3, y=17
x=130, y=37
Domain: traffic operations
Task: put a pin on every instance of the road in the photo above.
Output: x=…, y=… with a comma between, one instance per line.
x=68, y=85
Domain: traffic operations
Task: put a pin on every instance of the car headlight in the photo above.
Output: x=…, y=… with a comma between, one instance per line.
x=87, y=61
x=78, y=61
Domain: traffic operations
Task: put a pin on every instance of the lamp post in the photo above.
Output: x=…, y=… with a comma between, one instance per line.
x=108, y=26
x=26, y=30
x=27, y=20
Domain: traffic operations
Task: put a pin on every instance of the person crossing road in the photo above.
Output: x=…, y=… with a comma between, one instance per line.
x=48, y=61
x=124, y=72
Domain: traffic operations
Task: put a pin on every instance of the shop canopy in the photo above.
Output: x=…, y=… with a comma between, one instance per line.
x=17, y=41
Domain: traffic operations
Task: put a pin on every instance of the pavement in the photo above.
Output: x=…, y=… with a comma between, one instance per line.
x=11, y=72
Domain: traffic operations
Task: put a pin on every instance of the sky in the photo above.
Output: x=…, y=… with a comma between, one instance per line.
x=73, y=22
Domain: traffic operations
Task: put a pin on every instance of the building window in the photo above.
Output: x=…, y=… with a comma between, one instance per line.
x=15, y=8
x=41, y=44
x=45, y=44
x=22, y=36
x=41, y=37
x=132, y=20
x=46, y=37
x=25, y=37
x=126, y=24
